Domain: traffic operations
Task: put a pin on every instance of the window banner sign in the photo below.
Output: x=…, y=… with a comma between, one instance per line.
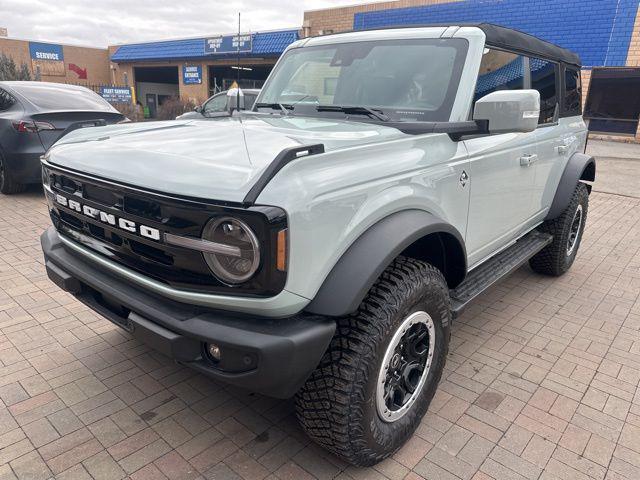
x=116, y=94
x=47, y=59
x=192, y=74
x=228, y=44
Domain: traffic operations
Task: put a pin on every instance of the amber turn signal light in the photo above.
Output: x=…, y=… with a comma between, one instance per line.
x=281, y=254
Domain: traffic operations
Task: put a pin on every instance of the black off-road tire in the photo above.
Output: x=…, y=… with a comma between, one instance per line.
x=337, y=405
x=554, y=259
x=7, y=185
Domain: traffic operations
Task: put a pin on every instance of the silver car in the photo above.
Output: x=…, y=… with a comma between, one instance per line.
x=224, y=103
x=321, y=244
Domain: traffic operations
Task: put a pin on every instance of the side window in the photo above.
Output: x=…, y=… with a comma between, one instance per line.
x=6, y=101
x=572, y=93
x=544, y=79
x=217, y=103
x=499, y=71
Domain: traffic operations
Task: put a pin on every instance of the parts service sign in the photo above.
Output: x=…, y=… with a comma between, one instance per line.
x=47, y=58
x=191, y=74
x=229, y=44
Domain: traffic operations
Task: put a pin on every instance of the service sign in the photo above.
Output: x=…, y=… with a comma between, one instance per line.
x=46, y=51
x=47, y=59
x=116, y=94
x=191, y=74
x=229, y=44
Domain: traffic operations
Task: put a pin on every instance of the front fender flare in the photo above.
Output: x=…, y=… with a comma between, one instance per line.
x=579, y=167
x=364, y=261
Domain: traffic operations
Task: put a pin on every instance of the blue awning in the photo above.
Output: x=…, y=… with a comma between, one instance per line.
x=264, y=44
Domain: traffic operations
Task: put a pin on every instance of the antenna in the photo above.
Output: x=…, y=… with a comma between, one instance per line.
x=238, y=69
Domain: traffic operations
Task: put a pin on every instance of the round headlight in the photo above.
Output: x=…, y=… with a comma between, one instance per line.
x=242, y=259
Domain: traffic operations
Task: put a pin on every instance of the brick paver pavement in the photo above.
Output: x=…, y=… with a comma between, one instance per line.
x=541, y=382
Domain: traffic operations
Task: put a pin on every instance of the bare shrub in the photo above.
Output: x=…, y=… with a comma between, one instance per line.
x=174, y=106
x=131, y=111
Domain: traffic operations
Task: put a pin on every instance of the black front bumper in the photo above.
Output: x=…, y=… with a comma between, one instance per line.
x=265, y=355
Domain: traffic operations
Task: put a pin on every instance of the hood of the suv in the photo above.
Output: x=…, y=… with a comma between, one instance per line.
x=215, y=159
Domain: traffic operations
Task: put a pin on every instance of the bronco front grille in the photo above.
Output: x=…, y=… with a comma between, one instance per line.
x=176, y=266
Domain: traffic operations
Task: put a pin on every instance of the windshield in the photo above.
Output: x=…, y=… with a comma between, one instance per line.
x=406, y=80
x=54, y=97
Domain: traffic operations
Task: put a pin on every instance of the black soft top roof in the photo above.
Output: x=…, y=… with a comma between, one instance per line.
x=521, y=42
x=508, y=38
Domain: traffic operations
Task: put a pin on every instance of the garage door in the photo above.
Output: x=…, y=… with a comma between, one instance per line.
x=613, y=103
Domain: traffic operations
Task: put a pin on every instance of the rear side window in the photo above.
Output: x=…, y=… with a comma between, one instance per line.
x=53, y=97
x=572, y=93
x=249, y=100
x=544, y=79
x=499, y=71
x=6, y=100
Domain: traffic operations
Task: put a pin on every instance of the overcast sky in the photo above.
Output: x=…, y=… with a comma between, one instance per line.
x=108, y=22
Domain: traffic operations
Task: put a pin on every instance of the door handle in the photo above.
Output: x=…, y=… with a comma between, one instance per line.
x=566, y=144
x=527, y=160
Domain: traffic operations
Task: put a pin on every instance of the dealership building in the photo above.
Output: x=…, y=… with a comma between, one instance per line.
x=605, y=33
x=196, y=68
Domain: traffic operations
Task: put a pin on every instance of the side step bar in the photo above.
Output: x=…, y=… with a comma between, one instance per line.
x=497, y=267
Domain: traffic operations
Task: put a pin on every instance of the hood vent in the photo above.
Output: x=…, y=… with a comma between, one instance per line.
x=284, y=157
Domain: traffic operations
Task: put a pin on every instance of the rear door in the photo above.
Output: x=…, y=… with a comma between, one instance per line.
x=501, y=167
x=561, y=131
x=551, y=135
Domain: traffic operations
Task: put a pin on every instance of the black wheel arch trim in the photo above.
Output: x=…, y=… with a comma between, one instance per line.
x=580, y=167
x=366, y=258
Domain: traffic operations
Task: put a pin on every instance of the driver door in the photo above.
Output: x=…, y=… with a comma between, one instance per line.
x=501, y=168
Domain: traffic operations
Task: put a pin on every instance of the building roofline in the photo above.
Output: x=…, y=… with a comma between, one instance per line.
x=52, y=43
x=198, y=37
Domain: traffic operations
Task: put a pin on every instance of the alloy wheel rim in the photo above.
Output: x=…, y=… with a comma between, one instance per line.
x=405, y=366
x=576, y=224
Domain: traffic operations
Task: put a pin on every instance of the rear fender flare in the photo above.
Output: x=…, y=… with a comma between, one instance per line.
x=580, y=167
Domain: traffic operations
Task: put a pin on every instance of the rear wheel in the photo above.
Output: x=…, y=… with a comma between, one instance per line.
x=557, y=257
x=380, y=372
x=7, y=184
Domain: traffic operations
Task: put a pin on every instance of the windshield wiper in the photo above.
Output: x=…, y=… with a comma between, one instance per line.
x=356, y=110
x=283, y=107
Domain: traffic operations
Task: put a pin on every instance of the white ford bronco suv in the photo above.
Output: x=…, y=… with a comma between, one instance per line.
x=321, y=244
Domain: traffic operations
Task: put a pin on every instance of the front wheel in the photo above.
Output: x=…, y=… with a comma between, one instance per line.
x=557, y=257
x=380, y=372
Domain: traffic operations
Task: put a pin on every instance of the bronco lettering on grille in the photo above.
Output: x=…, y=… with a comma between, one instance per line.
x=109, y=218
